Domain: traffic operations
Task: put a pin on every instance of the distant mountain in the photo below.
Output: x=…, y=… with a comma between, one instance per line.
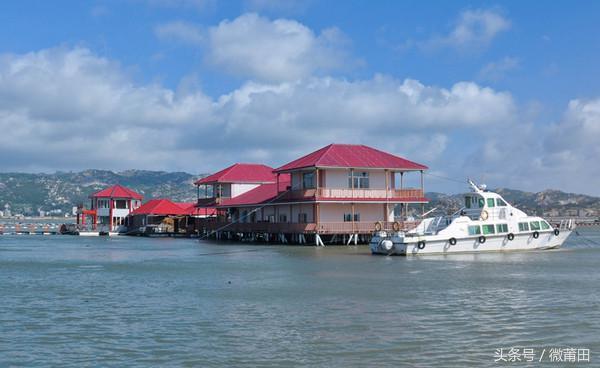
x=29, y=193
x=57, y=193
x=546, y=203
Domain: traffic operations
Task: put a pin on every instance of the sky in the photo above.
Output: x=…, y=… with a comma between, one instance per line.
x=506, y=93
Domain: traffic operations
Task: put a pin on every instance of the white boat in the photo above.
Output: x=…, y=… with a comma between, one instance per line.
x=487, y=223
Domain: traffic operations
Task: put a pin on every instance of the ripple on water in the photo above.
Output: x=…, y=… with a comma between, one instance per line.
x=140, y=302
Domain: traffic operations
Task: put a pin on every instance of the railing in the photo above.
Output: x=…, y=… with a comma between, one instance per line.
x=203, y=202
x=348, y=193
x=321, y=228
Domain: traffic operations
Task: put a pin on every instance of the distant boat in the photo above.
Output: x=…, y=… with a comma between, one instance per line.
x=487, y=223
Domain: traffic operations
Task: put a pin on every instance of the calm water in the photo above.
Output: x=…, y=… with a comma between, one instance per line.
x=70, y=301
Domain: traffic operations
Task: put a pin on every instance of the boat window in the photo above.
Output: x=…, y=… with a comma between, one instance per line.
x=500, y=203
x=545, y=225
x=488, y=229
x=474, y=230
x=490, y=202
x=468, y=202
x=523, y=226
x=535, y=225
x=502, y=228
x=481, y=202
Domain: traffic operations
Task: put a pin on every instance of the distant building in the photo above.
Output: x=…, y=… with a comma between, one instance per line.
x=109, y=208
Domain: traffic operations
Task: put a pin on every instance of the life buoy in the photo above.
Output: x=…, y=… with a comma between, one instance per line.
x=396, y=226
x=511, y=236
x=481, y=239
x=421, y=244
x=536, y=235
x=556, y=232
x=484, y=215
x=378, y=226
x=452, y=241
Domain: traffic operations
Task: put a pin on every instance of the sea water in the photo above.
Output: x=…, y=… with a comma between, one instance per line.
x=68, y=301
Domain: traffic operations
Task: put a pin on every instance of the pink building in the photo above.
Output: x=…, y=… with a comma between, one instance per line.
x=338, y=190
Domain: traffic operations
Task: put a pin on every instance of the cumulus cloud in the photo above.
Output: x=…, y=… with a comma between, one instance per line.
x=474, y=29
x=185, y=32
x=280, y=50
x=68, y=108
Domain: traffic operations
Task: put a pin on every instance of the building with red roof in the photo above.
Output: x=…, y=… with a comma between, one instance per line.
x=163, y=216
x=233, y=181
x=338, y=189
x=109, y=208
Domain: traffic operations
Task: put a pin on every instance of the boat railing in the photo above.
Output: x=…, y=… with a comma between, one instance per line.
x=567, y=224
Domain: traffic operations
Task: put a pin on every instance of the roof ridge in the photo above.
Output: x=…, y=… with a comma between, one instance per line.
x=327, y=149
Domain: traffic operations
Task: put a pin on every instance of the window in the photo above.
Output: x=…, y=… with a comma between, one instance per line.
x=535, y=225
x=501, y=228
x=490, y=202
x=474, y=230
x=348, y=217
x=500, y=203
x=545, y=225
x=481, y=202
x=523, y=226
x=121, y=204
x=488, y=229
x=244, y=217
x=271, y=218
x=282, y=218
x=302, y=218
x=360, y=180
x=308, y=180
x=468, y=202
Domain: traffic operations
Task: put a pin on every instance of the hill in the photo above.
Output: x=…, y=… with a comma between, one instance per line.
x=545, y=203
x=57, y=193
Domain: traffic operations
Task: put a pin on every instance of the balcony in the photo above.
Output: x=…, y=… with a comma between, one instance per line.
x=357, y=194
x=298, y=228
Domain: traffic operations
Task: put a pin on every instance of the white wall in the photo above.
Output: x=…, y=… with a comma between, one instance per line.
x=369, y=212
x=338, y=178
x=237, y=189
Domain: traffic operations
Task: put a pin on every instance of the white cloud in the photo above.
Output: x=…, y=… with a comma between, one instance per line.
x=497, y=70
x=280, y=50
x=180, y=31
x=68, y=108
x=473, y=29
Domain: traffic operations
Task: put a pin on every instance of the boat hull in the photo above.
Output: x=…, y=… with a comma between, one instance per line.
x=493, y=243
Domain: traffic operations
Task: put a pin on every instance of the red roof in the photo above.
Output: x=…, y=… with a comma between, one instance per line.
x=241, y=173
x=161, y=207
x=191, y=209
x=351, y=156
x=259, y=195
x=117, y=191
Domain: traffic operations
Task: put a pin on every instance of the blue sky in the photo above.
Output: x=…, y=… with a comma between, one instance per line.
x=505, y=92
